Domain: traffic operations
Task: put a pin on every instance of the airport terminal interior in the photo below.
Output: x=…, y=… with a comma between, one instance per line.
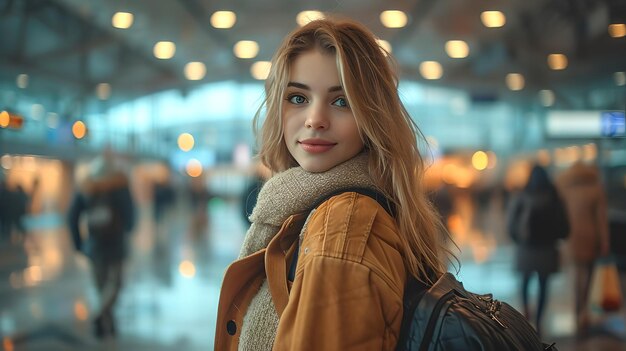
x=166, y=92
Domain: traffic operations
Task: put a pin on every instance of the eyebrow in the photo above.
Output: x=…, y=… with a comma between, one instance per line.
x=306, y=87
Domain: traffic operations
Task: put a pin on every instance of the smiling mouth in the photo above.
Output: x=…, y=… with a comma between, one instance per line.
x=316, y=146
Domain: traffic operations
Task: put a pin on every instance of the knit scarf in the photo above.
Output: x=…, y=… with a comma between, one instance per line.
x=292, y=191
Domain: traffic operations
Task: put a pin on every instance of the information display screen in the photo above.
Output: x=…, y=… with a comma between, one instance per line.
x=586, y=124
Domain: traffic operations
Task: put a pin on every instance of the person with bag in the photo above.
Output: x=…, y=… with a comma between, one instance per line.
x=333, y=120
x=105, y=201
x=536, y=222
x=585, y=201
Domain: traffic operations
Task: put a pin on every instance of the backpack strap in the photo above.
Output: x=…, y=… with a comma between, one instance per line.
x=374, y=194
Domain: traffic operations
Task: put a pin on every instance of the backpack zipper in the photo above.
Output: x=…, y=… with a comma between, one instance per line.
x=493, y=308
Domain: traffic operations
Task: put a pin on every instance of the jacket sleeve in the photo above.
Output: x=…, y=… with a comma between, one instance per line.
x=347, y=293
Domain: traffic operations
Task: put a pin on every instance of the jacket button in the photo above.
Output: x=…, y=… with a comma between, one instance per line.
x=231, y=327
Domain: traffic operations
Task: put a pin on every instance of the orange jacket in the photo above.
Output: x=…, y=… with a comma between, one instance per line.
x=347, y=292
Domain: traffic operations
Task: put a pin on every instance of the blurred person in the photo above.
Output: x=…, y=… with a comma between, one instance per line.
x=20, y=205
x=5, y=201
x=104, y=199
x=333, y=120
x=536, y=222
x=13, y=211
x=199, y=197
x=586, y=204
x=164, y=198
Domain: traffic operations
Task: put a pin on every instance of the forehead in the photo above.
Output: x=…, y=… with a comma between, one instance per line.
x=315, y=67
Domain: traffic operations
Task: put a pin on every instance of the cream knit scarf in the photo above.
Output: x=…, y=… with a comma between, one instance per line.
x=292, y=191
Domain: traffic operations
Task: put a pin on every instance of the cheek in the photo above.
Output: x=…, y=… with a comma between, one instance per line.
x=349, y=130
x=288, y=128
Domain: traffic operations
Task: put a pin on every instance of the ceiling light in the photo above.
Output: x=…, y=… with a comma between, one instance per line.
x=194, y=168
x=431, y=70
x=457, y=49
x=393, y=19
x=223, y=19
x=480, y=160
x=557, y=61
x=185, y=141
x=620, y=78
x=246, y=49
x=195, y=70
x=385, y=46
x=515, y=81
x=617, y=30
x=5, y=118
x=493, y=19
x=164, y=50
x=305, y=17
x=260, y=70
x=79, y=129
x=22, y=81
x=103, y=91
x=122, y=20
x=546, y=97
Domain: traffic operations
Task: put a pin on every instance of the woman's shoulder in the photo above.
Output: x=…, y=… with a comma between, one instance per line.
x=351, y=217
x=352, y=206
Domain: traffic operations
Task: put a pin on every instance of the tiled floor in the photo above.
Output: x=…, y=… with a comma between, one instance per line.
x=172, y=284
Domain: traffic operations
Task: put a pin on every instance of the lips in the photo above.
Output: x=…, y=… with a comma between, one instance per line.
x=315, y=145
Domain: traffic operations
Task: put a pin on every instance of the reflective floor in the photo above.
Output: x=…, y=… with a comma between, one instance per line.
x=172, y=279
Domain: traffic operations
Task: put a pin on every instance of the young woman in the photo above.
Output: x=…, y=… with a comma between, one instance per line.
x=333, y=121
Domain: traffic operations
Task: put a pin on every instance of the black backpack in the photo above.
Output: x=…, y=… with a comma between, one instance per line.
x=447, y=317
x=539, y=219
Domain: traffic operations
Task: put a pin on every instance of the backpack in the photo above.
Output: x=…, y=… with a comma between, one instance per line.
x=445, y=316
x=104, y=220
x=541, y=220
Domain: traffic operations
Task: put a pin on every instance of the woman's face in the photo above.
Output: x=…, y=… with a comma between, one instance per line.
x=319, y=127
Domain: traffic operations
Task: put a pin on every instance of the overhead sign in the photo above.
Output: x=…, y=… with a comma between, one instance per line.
x=585, y=124
x=613, y=123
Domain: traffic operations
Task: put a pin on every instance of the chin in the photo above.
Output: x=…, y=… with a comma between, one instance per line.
x=320, y=165
x=315, y=168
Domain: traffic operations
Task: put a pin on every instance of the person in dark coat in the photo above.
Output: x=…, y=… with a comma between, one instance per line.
x=537, y=221
x=104, y=199
x=5, y=199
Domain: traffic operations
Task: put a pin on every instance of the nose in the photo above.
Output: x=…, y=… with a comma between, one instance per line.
x=317, y=117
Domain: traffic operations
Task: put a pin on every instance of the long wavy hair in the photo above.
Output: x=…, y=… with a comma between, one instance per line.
x=388, y=132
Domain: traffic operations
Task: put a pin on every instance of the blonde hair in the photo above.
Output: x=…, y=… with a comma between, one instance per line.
x=388, y=132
